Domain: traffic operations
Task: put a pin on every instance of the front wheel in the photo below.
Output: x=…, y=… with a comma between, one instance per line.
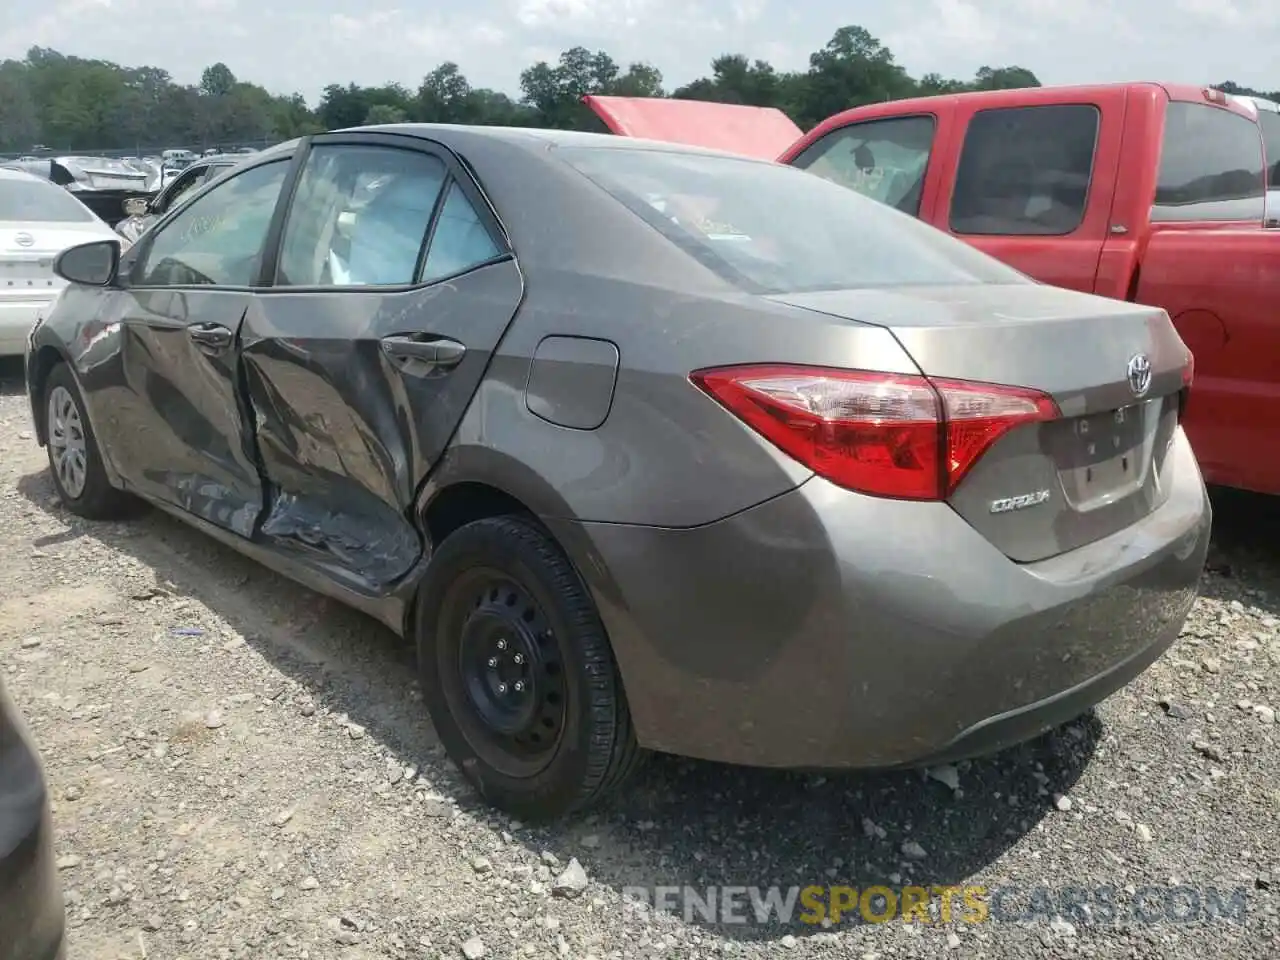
x=518, y=674
x=75, y=461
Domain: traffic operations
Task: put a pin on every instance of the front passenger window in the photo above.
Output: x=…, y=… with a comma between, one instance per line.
x=218, y=238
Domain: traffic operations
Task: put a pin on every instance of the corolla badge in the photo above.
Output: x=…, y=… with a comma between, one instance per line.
x=1139, y=374
x=1020, y=502
x=24, y=239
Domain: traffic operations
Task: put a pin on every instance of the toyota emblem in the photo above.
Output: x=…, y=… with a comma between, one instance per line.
x=1139, y=374
x=24, y=239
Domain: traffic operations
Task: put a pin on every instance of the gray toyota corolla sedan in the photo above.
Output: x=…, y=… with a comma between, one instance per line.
x=645, y=447
x=31, y=910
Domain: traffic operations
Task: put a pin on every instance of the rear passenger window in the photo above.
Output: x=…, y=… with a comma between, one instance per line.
x=881, y=159
x=460, y=241
x=1025, y=171
x=1211, y=166
x=359, y=217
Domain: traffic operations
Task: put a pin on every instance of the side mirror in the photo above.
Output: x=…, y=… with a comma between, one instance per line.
x=92, y=264
x=137, y=207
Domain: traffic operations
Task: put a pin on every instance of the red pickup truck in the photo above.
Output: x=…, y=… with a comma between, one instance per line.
x=1140, y=191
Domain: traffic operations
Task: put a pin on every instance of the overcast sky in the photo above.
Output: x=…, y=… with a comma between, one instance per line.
x=302, y=45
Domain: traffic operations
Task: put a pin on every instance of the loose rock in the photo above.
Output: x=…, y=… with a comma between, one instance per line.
x=572, y=881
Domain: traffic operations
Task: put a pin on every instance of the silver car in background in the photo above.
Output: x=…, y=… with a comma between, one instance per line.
x=38, y=220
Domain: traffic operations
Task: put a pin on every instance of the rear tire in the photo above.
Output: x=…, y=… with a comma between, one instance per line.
x=75, y=461
x=518, y=674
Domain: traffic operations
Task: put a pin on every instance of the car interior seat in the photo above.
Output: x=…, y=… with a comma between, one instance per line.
x=388, y=233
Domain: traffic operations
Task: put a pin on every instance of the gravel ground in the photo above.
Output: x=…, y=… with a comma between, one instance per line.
x=242, y=769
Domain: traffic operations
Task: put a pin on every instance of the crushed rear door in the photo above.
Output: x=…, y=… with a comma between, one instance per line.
x=761, y=132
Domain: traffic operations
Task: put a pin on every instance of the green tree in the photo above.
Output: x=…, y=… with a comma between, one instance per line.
x=217, y=80
x=934, y=84
x=84, y=105
x=343, y=106
x=20, y=127
x=1004, y=78
x=556, y=93
x=381, y=113
x=853, y=69
x=444, y=96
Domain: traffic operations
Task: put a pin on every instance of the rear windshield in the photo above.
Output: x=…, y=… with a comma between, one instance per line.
x=769, y=228
x=39, y=200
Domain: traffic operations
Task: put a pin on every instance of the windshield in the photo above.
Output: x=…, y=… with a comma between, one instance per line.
x=769, y=228
x=39, y=201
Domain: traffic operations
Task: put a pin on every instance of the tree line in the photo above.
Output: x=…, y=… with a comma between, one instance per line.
x=53, y=102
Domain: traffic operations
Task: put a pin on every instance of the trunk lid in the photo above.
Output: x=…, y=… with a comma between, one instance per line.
x=1045, y=488
x=760, y=132
x=27, y=252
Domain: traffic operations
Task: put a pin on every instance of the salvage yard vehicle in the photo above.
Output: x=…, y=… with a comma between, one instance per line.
x=38, y=220
x=32, y=915
x=103, y=184
x=1146, y=192
x=645, y=447
x=141, y=212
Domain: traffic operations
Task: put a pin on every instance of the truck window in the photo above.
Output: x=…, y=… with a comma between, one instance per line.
x=881, y=159
x=1025, y=171
x=1210, y=166
x=1269, y=121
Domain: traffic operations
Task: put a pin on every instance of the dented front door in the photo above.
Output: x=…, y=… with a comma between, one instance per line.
x=361, y=360
x=176, y=425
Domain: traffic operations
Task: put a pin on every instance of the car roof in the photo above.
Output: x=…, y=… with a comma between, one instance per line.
x=1262, y=103
x=11, y=173
x=538, y=138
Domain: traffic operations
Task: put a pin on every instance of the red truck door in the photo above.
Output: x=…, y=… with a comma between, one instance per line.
x=1031, y=183
x=1208, y=261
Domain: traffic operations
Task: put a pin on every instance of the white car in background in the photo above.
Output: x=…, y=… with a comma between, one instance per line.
x=38, y=220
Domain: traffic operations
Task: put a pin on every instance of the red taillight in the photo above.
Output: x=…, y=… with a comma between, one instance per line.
x=884, y=434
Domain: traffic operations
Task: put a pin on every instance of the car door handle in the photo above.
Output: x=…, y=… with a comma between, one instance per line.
x=439, y=352
x=210, y=337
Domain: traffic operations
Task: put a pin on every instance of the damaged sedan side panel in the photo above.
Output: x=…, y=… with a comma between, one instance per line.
x=358, y=368
x=345, y=431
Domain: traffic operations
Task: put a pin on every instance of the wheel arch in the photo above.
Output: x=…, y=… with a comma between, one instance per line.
x=40, y=364
x=474, y=482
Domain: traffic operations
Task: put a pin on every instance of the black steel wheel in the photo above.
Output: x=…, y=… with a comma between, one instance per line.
x=517, y=671
x=510, y=669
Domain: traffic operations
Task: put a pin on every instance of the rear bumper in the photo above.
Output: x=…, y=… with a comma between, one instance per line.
x=31, y=909
x=823, y=629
